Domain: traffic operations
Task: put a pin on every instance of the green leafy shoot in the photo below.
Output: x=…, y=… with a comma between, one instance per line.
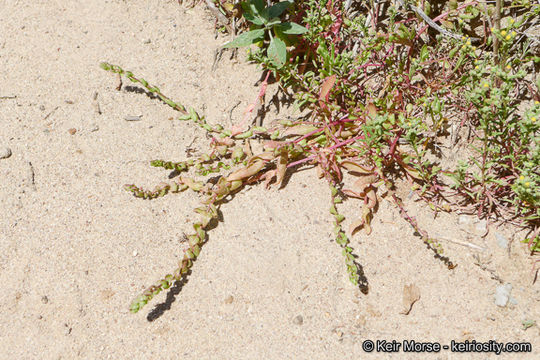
x=267, y=21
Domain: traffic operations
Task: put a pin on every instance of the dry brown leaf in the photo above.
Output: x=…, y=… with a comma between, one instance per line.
x=301, y=129
x=268, y=176
x=411, y=294
x=266, y=156
x=354, y=167
x=359, y=187
x=364, y=221
x=282, y=167
x=372, y=110
x=371, y=198
x=355, y=225
x=247, y=171
x=327, y=85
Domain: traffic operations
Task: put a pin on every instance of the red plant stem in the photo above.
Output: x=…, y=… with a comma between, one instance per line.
x=394, y=143
x=316, y=131
x=330, y=148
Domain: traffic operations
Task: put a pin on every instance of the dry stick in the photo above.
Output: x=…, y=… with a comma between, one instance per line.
x=216, y=12
x=497, y=22
x=430, y=22
x=444, y=15
x=462, y=243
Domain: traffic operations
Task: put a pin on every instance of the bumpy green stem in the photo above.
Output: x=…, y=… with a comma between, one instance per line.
x=169, y=165
x=153, y=89
x=187, y=115
x=196, y=240
x=190, y=254
x=164, y=188
x=342, y=239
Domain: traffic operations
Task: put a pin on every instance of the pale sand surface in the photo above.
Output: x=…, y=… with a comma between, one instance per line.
x=75, y=248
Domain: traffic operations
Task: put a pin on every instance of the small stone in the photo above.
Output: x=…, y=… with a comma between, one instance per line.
x=133, y=118
x=135, y=253
x=298, y=320
x=72, y=131
x=94, y=128
x=464, y=220
x=501, y=240
x=44, y=299
x=502, y=294
x=512, y=300
x=481, y=226
x=229, y=299
x=147, y=41
x=5, y=152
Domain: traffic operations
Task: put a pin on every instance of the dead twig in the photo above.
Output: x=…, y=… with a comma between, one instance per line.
x=212, y=7
x=432, y=23
x=50, y=113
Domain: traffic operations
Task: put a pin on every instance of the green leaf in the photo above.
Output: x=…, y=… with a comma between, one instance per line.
x=272, y=22
x=254, y=19
x=277, y=52
x=282, y=36
x=291, y=28
x=424, y=53
x=257, y=6
x=246, y=39
x=254, y=12
x=278, y=9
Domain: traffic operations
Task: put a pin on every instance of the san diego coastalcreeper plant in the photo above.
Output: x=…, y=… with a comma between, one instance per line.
x=382, y=97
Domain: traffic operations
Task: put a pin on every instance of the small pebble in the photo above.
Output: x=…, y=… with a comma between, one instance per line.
x=5, y=152
x=94, y=128
x=44, y=299
x=42, y=107
x=464, y=220
x=502, y=294
x=501, y=240
x=133, y=118
x=298, y=320
x=135, y=253
x=147, y=41
x=72, y=131
x=229, y=299
x=481, y=226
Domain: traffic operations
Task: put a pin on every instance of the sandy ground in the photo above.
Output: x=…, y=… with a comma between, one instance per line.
x=270, y=283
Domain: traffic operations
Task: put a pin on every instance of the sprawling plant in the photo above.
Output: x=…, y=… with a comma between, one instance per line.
x=389, y=95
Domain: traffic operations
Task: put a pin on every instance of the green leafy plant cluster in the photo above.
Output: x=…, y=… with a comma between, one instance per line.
x=390, y=95
x=267, y=23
